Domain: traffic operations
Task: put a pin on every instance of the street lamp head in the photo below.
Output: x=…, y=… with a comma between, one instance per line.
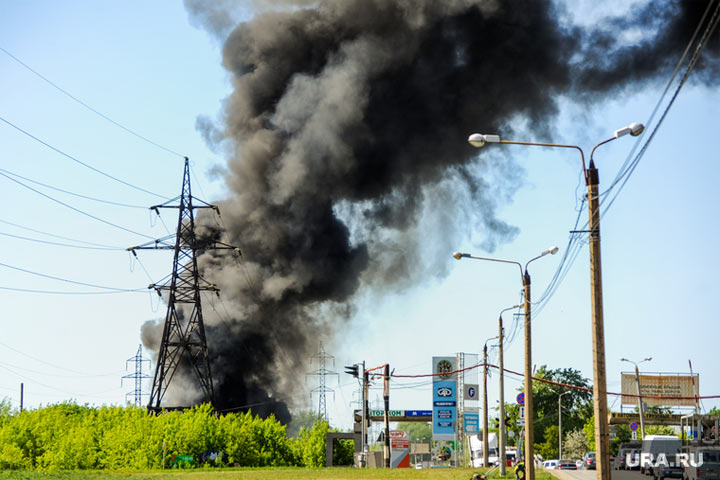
x=647, y=359
x=624, y=360
x=633, y=129
x=478, y=140
x=636, y=128
x=459, y=255
x=551, y=251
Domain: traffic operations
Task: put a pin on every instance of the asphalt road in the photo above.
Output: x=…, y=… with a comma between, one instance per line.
x=592, y=475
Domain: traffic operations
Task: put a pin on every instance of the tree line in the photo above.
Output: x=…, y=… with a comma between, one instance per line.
x=67, y=436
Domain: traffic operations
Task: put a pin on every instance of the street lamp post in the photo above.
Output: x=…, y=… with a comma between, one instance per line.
x=525, y=277
x=641, y=409
x=501, y=413
x=485, y=406
x=560, y=424
x=602, y=433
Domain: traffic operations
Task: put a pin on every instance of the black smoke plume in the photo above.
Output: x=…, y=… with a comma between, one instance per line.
x=346, y=134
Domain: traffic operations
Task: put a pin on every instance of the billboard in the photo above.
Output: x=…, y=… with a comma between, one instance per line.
x=673, y=387
x=445, y=398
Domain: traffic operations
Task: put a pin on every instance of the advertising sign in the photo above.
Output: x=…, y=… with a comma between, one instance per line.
x=670, y=386
x=472, y=422
x=399, y=449
x=445, y=398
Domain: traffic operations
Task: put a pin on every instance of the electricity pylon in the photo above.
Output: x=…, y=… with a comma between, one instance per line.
x=183, y=333
x=322, y=389
x=139, y=376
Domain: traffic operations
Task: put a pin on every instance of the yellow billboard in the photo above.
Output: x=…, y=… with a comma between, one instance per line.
x=676, y=390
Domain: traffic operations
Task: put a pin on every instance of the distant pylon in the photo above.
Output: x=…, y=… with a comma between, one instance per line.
x=183, y=338
x=322, y=389
x=139, y=376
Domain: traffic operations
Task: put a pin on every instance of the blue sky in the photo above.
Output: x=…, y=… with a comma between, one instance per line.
x=146, y=67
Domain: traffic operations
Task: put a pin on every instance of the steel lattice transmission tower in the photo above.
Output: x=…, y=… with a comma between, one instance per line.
x=183, y=336
x=322, y=388
x=139, y=376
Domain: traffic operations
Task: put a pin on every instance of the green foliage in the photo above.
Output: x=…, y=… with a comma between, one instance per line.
x=623, y=434
x=418, y=432
x=575, y=444
x=576, y=404
x=589, y=429
x=549, y=448
x=659, y=430
x=72, y=437
x=310, y=445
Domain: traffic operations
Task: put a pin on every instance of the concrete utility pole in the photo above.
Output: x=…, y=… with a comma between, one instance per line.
x=501, y=414
x=525, y=277
x=602, y=434
x=641, y=408
x=485, y=404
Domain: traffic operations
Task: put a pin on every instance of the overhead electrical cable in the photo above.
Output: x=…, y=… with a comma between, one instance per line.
x=79, y=161
x=37, y=240
x=74, y=282
x=60, y=292
x=108, y=202
x=102, y=115
x=74, y=208
x=60, y=236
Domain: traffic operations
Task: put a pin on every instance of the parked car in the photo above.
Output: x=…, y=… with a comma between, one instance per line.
x=654, y=445
x=567, y=465
x=550, y=464
x=589, y=461
x=709, y=469
x=671, y=470
x=579, y=464
x=631, y=449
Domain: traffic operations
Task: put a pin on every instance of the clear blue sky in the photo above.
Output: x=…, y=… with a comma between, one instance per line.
x=145, y=66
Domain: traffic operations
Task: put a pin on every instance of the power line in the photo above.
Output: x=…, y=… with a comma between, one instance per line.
x=68, y=281
x=79, y=161
x=110, y=247
x=132, y=132
x=73, y=208
x=46, y=242
x=108, y=202
x=58, y=292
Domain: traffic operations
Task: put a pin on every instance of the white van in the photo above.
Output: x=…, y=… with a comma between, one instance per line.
x=654, y=445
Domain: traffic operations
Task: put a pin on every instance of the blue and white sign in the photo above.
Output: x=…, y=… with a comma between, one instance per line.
x=472, y=422
x=418, y=413
x=445, y=398
x=471, y=392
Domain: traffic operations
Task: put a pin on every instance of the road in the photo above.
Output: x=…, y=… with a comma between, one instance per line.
x=592, y=475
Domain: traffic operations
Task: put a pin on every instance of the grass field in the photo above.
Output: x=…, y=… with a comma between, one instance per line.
x=262, y=474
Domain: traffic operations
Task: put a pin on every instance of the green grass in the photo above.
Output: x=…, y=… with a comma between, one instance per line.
x=262, y=474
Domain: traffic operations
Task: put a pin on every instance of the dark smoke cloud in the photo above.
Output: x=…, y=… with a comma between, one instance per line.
x=348, y=123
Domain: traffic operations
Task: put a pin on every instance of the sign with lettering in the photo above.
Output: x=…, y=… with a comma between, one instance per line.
x=678, y=390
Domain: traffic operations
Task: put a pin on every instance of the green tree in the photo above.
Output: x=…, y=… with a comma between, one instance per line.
x=418, y=432
x=576, y=403
x=549, y=448
x=575, y=444
x=589, y=429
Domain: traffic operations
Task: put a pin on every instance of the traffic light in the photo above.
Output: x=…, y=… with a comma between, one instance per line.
x=352, y=370
x=508, y=423
x=496, y=423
